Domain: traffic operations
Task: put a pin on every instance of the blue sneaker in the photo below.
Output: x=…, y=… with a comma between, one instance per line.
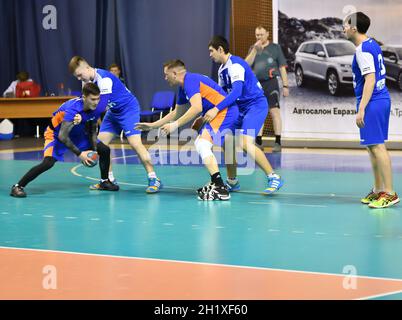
x=274, y=184
x=232, y=187
x=154, y=185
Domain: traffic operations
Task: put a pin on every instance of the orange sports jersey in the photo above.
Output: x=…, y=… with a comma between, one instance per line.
x=211, y=93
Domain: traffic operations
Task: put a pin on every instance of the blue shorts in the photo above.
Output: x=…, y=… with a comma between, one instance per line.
x=115, y=121
x=223, y=124
x=376, y=122
x=252, y=118
x=56, y=149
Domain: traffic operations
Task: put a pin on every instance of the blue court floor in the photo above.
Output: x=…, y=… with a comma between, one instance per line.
x=315, y=223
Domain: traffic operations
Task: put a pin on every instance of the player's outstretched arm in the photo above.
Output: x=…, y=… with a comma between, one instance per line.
x=171, y=116
x=194, y=110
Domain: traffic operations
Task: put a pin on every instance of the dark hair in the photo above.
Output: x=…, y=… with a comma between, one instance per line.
x=173, y=64
x=75, y=62
x=90, y=88
x=22, y=76
x=219, y=41
x=360, y=21
x=114, y=65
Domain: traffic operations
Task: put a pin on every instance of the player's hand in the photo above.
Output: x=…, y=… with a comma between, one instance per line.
x=84, y=157
x=360, y=119
x=169, y=128
x=285, y=92
x=144, y=126
x=77, y=119
x=211, y=114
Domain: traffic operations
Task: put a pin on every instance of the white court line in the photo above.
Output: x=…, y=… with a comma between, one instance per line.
x=380, y=295
x=74, y=172
x=342, y=275
x=290, y=204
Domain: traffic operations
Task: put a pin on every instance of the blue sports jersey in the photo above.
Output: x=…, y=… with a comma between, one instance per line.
x=118, y=96
x=69, y=109
x=211, y=93
x=369, y=59
x=236, y=69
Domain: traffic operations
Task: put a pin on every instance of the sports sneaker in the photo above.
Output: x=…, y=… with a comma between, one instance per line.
x=106, y=185
x=154, y=185
x=277, y=148
x=232, y=187
x=18, y=191
x=96, y=186
x=274, y=184
x=384, y=200
x=212, y=192
x=206, y=187
x=372, y=196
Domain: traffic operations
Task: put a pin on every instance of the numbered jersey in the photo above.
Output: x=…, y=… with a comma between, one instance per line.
x=369, y=59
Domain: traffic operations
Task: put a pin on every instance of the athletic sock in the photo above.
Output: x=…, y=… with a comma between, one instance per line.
x=152, y=175
x=216, y=179
x=273, y=175
x=278, y=139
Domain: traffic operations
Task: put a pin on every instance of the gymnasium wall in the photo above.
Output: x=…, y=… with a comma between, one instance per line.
x=41, y=36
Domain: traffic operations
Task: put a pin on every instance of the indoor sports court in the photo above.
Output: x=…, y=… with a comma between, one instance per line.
x=311, y=238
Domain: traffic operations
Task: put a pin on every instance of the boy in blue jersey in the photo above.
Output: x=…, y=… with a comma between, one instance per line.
x=67, y=132
x=373, y=108
x=198, y=94
x=122, y=114
x=243, y=88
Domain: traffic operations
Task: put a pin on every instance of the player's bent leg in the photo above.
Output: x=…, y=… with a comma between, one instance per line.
x=216, y=189
x=154, y=183
x=105, y=138
x=104, y=161
x=256, y=153
x=232, y=183
x=17, y=190
x=275, y=182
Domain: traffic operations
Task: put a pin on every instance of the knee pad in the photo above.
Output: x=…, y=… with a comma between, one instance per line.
x=203, y=147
